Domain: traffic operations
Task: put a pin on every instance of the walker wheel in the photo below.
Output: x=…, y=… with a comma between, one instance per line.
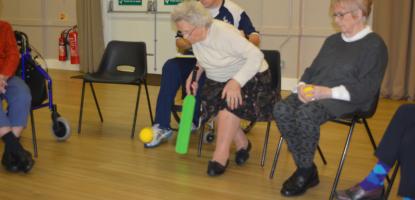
x=208, y=137
x=61, y=129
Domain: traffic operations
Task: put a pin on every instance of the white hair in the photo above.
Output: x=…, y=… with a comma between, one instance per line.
x=193, y=13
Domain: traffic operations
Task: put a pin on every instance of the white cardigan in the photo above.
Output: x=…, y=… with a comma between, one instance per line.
x=225, y=54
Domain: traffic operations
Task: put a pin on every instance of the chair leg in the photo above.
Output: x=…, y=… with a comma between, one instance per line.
x=96, y=101
x=81, y=107
x=249, y=127
x=135, y=111
x=148, y=102
x=202, y=132
x=174, y=110
x=343, y=158
x=265, y=147
x=321, y=155
x=277, y=154
x=32, y=121
x=389, y=188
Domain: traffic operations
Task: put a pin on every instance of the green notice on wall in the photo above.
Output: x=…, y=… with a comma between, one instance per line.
x=130, y=2
x=171, y=2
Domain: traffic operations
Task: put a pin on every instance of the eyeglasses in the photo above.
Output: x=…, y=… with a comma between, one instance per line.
x=187, y=34
x=342, y=14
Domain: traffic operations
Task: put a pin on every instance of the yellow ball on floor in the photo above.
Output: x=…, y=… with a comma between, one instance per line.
x=146, y=135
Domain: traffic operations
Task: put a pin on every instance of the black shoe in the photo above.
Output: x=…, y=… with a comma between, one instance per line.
x=300, y=181
x=24, y=159
x=215, y=168
x=358, y=193
x=9, y=162
x=242, y=155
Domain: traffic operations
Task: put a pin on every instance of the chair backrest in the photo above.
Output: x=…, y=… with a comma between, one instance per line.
x=273, y=58
x=123, y=53
x=372, y=109
x=360, y=114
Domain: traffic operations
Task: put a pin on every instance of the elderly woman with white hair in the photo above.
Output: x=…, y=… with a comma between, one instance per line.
x=344, y=78
x=238, y=84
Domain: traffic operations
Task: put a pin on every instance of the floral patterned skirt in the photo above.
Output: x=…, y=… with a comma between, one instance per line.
x=258, y=99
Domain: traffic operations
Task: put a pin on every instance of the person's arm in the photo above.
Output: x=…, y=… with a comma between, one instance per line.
x=254, y=38
x=369, y=75
x=11, y=59
x=194, y=85
x=236, y=46
x=248, y=29
x=308, y=92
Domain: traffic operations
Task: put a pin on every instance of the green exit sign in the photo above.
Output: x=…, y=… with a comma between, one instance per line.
x=130, y=2
x=172, y=2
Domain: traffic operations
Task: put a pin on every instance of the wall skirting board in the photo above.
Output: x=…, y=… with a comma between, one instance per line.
x=64, y=65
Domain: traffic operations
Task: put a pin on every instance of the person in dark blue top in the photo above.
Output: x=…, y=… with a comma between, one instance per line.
x=176, y=70
x=396, y=145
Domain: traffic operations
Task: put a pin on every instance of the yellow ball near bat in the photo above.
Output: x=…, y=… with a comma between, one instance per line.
x=146, y=135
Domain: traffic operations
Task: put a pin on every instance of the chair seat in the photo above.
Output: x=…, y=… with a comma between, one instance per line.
x=114, y=77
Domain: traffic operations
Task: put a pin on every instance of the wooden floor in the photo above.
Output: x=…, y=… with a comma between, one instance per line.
x=104, y=163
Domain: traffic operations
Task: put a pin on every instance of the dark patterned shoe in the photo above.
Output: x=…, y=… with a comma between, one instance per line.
x=24, y=159
x=242, y=155
x=215, y=168
x=9, y=162
x=357, y=193
x=300, y=181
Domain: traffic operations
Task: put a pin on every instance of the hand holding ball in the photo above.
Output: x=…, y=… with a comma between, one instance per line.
x=146, y=135
x=307, y=90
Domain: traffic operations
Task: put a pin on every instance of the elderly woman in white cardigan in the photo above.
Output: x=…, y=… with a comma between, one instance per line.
x=238, y=84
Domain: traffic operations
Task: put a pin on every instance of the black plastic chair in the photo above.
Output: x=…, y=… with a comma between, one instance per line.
x=350, y=121
x=273, y=59
x=277, y=154
x=122, y=63
x=391, y=181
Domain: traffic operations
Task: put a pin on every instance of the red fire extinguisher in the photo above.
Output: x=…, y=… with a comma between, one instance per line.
x=73, y=45
x=62, y=46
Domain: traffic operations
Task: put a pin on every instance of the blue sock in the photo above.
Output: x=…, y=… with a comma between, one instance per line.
x=375, y=178
x=407, y=198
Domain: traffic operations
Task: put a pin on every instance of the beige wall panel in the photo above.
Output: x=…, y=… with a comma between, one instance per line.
x=41, y=20
x=60, y=12
x=35, y=36
x=317, y=19
x=309, y=49
x=22, y=11
x=253, y=8
x=288, y=53
x=279, y=14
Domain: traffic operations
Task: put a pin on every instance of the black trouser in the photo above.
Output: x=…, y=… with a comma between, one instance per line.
x=299, y=125
x=398, y=144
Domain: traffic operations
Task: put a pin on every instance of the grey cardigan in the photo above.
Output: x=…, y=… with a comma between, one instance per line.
x=358, y=65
